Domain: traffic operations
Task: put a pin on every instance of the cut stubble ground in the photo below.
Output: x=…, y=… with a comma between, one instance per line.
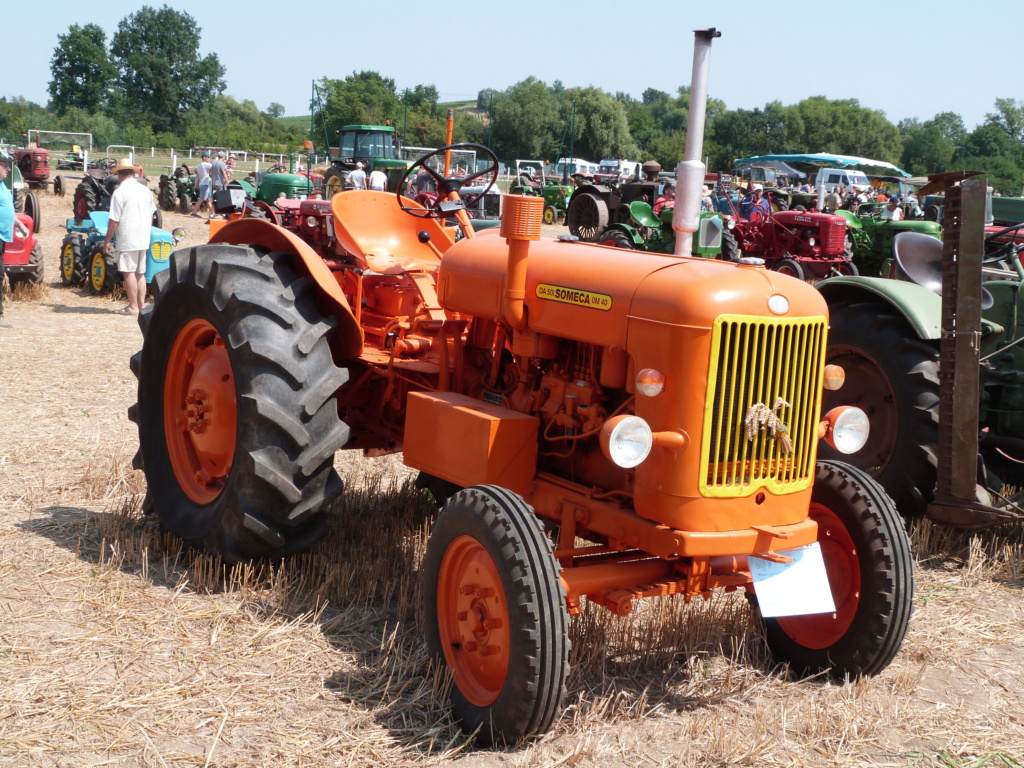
x=119, y=649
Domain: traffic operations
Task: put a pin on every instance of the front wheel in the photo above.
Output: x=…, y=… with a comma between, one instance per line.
x=103, y=274
x=184, y=203
x=33, y=209
x=871, y=575
x=550, y=215
x=334, y=181
x=617, y=239
x=73, y=270
x=237, y=403
x=495, y=614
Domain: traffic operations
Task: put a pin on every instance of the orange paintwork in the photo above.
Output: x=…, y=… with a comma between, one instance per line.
x=200, y=411
x=348, y=341
x=469, y=442
x=369, y=223
x=473, y=620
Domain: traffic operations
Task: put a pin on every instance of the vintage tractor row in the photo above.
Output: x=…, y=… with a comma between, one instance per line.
x=597, y=427
x=938, y=365
x=23, y=258
x=530, y=180
x=870, y=237
x=647, y=232
x=82, y=261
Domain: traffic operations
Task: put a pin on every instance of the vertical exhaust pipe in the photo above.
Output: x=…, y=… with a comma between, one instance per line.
x=690, y=172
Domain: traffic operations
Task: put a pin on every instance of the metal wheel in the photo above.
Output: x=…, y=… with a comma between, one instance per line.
x=871, y=575
x=103, y=274
x=587, y=216
x=237, y=410
x=72, y=262
x=495, y=614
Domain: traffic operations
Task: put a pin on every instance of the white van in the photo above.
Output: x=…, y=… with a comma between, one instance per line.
x=575, y=165
x=830, y=178
x=623, y=169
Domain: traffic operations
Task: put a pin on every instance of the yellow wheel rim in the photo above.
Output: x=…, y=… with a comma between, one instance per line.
x=67, y=262
x=98, y=271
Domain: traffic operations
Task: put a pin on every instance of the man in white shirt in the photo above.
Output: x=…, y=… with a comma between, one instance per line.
x=203, y=185
x=378, y=181
x=131, y=216
x=358, y=177
x=892, y=210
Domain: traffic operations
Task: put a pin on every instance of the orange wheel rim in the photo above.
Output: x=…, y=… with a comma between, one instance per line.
x=200, y=411
x=842, y=565
x=472, y=619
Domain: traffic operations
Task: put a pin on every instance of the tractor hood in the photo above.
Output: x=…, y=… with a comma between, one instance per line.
x=590, y=293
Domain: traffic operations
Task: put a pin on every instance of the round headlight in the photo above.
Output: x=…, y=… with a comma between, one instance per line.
x=626, y=440
x=778, y=304
x=810, y=241
x=850, y=429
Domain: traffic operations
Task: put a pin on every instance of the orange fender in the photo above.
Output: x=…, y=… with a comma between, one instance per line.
x=348, y=341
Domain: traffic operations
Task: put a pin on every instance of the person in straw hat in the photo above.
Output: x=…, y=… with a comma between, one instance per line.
x=131, y=215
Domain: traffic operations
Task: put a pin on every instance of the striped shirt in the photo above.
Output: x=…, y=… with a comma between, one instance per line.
x=131, y=206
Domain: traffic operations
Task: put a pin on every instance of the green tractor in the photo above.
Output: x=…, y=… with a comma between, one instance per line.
x=177, y=192
x=648, y=232
x=375, y=146
x=871, y=236
x=530, y=181
x=936, y=360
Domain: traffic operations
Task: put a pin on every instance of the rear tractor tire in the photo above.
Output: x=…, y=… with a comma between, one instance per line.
x=237, y=407
x=495, y=615
x=730, y=248
x=893, y=376
x=587, y=216
x=871, y=574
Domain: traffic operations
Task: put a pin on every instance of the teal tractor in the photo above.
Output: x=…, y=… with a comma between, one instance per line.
x=530, y=180
x=375, y=146
x=82, y=260
x=647, y=232
x=952, y=446
x=871, y=237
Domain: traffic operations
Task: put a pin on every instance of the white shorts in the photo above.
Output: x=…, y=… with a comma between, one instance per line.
x=132, y=261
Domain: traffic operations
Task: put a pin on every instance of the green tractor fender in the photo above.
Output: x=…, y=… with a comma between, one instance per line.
x=921, y=308
x=852, y=220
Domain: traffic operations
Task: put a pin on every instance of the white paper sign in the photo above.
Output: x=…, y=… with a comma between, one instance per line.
x=792, y=589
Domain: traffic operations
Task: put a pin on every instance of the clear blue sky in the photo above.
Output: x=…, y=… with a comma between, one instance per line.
x=889, y=56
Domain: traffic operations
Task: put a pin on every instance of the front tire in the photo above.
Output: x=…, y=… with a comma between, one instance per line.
x=893, y=376
x=72, y=260
x=237, y=408
x=103, y=275
x=550, y=215
x=790, y=267
x=495, y=614
x=730, y=248
x=871, y=574
x=617, y=239
x=587, y=216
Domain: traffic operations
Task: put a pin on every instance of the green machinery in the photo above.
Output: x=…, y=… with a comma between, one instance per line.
x=871, y=236
x=648, y=232
x=530, y=180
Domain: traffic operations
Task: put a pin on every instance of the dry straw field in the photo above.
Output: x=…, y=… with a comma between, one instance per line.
x=119, y=649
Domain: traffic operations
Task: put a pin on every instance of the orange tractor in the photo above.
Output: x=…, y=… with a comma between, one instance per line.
x=598, y=427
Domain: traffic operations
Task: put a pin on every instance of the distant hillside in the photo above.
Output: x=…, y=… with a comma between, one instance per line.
x=299, y=121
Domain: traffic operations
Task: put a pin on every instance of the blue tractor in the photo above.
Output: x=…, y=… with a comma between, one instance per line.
x=82, y=260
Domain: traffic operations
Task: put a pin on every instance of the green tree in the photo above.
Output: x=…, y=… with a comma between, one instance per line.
x=161, y=73
x=930, y=147
x=275, y=110
x=81, y=70
x=601, y=125
x=362, y=98
x=526, y=120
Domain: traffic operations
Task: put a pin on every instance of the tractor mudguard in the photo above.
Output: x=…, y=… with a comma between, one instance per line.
x=627, y=230
x=852, y=220
x=918, y=306
x=348, y=341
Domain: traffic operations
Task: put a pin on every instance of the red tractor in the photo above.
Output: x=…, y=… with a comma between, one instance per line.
x=23, y=259
x=805, y=244
x=596, y=427
x=34, y=164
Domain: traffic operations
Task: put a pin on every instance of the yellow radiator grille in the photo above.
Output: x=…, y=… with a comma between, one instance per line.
x=758, y=360
x=161, y=251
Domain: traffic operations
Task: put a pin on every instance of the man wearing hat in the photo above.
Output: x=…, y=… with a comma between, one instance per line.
x=131, y=216
x=755, y=206
x=8, y=225
x=892, y=210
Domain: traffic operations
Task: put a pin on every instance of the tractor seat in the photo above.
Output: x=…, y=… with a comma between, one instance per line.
x=643, y=214
x=375, y=230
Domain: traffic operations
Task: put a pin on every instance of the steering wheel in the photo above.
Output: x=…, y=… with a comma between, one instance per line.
x=442, y=208
x=1001, y=251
